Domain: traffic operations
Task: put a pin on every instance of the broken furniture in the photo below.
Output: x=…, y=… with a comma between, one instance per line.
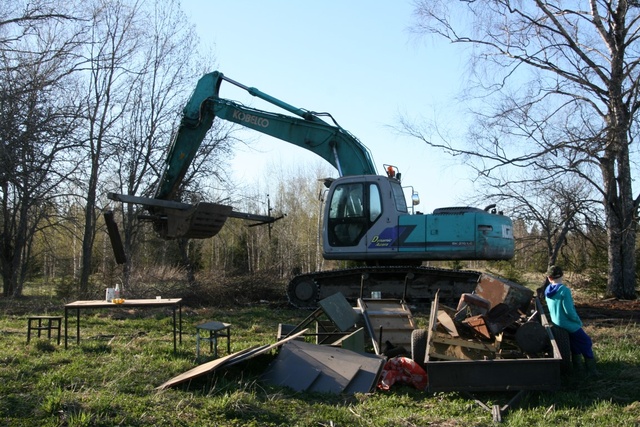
x=172, y=303
x=389, y=323
x=51, y=323
x=216, y=330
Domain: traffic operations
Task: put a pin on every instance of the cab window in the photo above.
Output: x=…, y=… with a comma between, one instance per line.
x=352, y=211
x=398, y=197
x=347, y=221
x=347, y=201
x=375, y=203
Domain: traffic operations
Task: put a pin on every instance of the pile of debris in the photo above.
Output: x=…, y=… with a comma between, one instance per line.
x=491, y=341
x=494, y=322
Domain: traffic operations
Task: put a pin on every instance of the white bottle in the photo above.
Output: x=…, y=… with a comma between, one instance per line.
x=117, y=291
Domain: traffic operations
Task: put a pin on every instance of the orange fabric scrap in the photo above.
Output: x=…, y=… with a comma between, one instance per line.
x=405, y=371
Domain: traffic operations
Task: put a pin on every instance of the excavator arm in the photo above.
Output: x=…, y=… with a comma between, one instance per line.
x=174, y=219
x=331, y=142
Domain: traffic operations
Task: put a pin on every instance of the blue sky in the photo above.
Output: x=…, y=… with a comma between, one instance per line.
x=355, y=59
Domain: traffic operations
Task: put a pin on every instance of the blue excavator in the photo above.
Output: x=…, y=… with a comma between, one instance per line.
x=366, y=216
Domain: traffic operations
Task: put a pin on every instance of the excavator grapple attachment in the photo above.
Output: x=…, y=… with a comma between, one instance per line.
x=177, y=220
x=201, y=221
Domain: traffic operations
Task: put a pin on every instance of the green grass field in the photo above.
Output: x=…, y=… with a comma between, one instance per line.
x=110, y=379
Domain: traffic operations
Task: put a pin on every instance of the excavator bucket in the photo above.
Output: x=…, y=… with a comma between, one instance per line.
x=201, y=221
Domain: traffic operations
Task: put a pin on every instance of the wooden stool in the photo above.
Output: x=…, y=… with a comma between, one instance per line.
x=35, y=323
x=216, y=330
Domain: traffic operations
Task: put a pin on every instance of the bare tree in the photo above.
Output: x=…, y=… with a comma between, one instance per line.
x=565, y=85
x=557, y=209
x=166, y=67
x=38, y=121
x=114, y=38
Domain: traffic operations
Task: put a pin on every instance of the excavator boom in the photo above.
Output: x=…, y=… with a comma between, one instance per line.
x=331, y=142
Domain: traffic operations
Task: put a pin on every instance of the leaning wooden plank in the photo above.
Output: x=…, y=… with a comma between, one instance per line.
x=225, y=361
x=202, y=369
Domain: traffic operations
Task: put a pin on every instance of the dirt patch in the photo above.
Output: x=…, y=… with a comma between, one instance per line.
x=609, y=309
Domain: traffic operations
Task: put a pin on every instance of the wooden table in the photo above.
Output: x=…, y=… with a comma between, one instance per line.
x=130, y=303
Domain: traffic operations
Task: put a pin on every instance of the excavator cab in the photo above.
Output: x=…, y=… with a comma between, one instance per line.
x=357, y=207
x=366, y=219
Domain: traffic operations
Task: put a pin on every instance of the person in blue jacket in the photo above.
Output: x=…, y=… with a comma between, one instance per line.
x=563, y=314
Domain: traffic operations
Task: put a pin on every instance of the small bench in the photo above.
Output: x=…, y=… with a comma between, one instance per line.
x=216, y=330
x=43, y=323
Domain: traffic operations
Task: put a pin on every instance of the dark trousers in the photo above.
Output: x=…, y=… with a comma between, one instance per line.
x=581, y=343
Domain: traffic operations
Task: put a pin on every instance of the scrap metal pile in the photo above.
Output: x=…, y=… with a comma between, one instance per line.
x=494, y=322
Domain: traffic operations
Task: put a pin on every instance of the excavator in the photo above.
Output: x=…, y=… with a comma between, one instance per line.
x=366, y=217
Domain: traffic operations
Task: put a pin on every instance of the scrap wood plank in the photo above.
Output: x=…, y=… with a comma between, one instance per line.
x=444, y=339
x=436, y=355
x=454, y=353
x=225, y=362
x=202, y=369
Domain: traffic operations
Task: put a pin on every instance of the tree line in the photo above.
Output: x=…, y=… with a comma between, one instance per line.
x=91, y=92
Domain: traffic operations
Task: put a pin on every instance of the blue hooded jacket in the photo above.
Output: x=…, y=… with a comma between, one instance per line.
x=561, y=308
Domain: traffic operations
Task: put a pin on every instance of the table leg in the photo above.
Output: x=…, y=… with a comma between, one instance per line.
x=78, y=326
x=59, y=325
x=197, y=343
x=180, y=313
x=174, y=330
x=66, y=320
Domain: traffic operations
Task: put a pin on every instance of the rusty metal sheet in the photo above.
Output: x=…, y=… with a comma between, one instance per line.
x=498, y=290
x=478, y=324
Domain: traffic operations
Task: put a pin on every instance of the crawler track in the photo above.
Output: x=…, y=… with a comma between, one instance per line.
x=417, y=285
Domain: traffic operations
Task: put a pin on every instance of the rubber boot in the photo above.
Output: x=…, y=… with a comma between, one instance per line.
x=577, y=362
x=590, y=364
